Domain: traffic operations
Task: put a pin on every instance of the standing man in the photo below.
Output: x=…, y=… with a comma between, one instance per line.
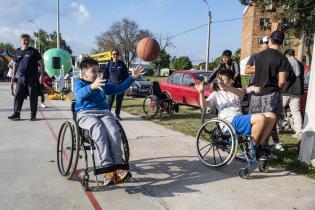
x=228, y=63
x=25, y=68
x=270, y=75
x=293, y=90
x=115, y=73
x=250, y=66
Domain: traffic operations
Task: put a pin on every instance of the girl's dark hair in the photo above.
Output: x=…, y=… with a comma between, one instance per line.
x=227, y=53
x=88, y=62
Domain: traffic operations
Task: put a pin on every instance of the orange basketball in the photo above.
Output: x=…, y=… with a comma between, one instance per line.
x=148, y=49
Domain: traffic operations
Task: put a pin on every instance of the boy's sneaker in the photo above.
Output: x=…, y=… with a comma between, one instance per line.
x=33, y=117
x=42, y=105
x=267, y=152
x=122, y=175
x=279, y=147
x=15, y=116
x=109, y=178
x=260, y=154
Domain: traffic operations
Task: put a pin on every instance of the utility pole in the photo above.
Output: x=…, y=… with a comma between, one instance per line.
x=208, y=38
x=58, y=26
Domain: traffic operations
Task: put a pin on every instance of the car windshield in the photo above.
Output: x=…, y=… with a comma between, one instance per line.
x=202, y=76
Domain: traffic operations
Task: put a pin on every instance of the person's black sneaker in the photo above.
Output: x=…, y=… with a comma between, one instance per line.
x=118, y=117
x=15, y=116
x=267, y=152
x=33, y=117
x=260, y=155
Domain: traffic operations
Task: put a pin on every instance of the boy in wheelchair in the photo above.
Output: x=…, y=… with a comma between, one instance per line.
x=227, y=100
x=92, y=113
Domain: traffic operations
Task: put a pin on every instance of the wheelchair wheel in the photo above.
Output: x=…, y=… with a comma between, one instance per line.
x=124, y=144
x=244, y=173
x=68, y=149
x=151, y=106
x=216, y=143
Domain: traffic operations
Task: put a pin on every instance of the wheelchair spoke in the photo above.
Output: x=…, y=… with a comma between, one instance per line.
x=207, y=151
x=219, y=154
x=215, y=161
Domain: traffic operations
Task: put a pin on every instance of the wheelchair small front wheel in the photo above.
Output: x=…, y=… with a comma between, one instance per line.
x=68, y=149
x=151, y=106
x=263, y=167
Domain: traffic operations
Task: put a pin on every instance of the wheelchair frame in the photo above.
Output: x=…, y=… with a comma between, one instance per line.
x=219, y=135
x=158, y=102
x=68, y=153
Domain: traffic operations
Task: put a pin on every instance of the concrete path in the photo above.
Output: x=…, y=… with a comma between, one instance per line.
x=166, y=172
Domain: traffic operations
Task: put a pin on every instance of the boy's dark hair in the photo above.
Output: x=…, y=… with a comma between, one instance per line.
x=277, y=37
x=226, y=72
x=290, y=52
x=53, y=77
x=88, y=62
x=25, y=36
x=227, y=53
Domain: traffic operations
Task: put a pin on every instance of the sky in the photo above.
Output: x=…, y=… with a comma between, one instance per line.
x=82, y=20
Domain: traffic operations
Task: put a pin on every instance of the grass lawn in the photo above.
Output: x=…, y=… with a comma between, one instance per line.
x=188, y=121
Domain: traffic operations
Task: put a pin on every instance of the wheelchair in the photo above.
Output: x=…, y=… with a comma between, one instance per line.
x=158, y=103
x=218, y=144
x=73, y=141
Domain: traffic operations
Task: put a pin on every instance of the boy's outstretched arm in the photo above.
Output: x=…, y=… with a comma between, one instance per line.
x=111, y=89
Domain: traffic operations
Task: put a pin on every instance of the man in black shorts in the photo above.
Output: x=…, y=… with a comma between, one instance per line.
x=270, y=75
x=25, y=68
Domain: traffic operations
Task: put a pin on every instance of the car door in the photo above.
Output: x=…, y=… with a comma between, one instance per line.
x=175, y=84
x=189, y=93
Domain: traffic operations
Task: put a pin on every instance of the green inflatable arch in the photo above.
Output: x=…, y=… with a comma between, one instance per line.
x=55, y=59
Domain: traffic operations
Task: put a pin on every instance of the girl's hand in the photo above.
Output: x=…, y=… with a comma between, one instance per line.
x=98, y=83
x=136, y=72
x=199, y=86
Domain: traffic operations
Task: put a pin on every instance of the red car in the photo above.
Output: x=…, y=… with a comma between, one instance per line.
x=180, y=86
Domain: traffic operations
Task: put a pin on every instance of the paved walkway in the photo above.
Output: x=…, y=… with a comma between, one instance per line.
x=166, y=172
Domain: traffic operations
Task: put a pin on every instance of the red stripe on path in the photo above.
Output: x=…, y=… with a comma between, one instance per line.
x=89, y=194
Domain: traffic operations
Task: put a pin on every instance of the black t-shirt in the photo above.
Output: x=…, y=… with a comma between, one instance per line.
x=27, y=62
x=268, y=64
x=251, y=62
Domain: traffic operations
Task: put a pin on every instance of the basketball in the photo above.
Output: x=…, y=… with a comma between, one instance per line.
x=148, y=49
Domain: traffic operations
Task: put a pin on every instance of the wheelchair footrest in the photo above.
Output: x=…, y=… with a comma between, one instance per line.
x=112, y=168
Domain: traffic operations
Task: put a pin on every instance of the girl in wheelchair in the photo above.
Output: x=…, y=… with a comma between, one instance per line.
x=227, y=100
x=92, y=114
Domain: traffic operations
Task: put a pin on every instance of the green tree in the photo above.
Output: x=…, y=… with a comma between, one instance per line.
x=182, y=63
x=162, y=61
x=48, y=41
x=297, y=17
x=124, y=36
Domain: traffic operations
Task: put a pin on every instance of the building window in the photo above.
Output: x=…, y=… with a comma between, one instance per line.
x=265, y=24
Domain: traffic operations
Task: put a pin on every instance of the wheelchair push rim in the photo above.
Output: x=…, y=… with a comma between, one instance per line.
x=68, y=149
x=151, y=106
x=216, y=143
x=124, y=144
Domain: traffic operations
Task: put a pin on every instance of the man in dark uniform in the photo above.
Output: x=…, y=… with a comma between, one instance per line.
x=115, y=73
x=25, y=68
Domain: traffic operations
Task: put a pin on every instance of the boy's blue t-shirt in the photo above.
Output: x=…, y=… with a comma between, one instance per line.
x=87, y=99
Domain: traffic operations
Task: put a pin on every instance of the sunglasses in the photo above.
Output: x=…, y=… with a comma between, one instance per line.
x=115, y=54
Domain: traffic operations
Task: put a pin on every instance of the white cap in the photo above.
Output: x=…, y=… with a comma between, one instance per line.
x=265, y=39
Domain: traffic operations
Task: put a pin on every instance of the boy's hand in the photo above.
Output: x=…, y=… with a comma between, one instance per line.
x=136, y=72
x=199, y=86
x=256, y=89
x=98, y=83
